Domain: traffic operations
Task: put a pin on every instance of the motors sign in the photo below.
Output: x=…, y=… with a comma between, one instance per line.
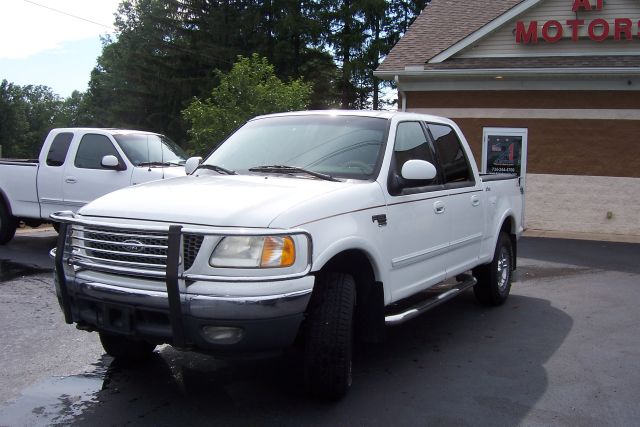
x=598, y=30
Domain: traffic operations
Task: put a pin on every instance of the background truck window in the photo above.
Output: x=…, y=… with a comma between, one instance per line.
x=92, y=149
x=59, y=148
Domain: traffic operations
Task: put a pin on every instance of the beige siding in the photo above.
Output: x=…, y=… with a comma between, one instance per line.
x=502, y=42
x=583, y=204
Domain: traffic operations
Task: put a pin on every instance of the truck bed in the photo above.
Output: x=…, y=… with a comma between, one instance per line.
x=487, y=177
x=18, y=183
x=19, y=162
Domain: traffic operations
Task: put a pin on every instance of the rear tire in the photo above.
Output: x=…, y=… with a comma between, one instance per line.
x=328, y=349
x=8, y=224
x=125, y=349
x=494, y=279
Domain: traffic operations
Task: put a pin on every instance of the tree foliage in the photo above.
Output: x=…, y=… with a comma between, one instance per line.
x=27, y=113
x=164, y=53
x=250, y=89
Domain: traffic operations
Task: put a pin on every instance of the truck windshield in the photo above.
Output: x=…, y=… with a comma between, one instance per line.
x=333, y=145
x=149, y=149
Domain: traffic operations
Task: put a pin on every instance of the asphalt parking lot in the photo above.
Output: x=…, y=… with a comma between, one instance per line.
x=563, y=350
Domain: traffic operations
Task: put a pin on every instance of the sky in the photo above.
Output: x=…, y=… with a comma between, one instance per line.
x=41, y=44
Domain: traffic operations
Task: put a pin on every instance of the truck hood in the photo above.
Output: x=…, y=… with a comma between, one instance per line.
x=215, y=200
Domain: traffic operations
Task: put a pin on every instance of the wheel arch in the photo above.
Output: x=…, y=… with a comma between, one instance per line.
x=370, y=291
x=508, y=225
x=5, y=201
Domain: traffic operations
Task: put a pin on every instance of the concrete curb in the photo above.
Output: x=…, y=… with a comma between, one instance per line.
x=602, y=237
x=26, y=231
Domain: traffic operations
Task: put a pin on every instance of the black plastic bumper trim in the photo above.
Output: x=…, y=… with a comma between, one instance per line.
x=173, y=287
x=62, y=282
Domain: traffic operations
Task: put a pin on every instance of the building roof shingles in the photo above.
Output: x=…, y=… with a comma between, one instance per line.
x=440, y=25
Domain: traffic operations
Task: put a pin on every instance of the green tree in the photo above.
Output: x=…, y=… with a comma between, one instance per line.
x=73, y=112
x=27, y=113
x=13, y=120
x=250, y=89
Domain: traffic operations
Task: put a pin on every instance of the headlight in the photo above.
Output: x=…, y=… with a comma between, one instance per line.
x=254, y=252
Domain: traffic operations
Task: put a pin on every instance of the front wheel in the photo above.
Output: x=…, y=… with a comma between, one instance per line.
x=494, y=279
x=125, y=349
x=328, y=349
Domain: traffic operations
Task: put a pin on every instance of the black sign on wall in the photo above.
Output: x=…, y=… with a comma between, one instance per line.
x=504, y=154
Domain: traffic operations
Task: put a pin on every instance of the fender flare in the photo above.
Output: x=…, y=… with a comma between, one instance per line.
x=508, y=214
x=346, y=244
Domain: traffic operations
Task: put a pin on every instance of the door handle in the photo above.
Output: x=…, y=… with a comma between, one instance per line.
x=475, y=201
x=438, y=207
x=70, y=180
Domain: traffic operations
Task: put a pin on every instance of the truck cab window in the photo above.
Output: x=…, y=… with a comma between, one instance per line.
x=92, y=149
x=453, y=160
x=411, y=144
x=59, y=148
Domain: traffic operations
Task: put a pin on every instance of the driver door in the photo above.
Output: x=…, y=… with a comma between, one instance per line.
x=417, y=215
x=85, y=178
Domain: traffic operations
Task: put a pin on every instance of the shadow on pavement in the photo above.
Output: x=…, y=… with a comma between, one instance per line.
x=460, y=364
x=584, y=253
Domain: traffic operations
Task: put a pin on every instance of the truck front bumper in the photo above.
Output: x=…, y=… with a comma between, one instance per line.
x=217, y=324
x=121, y=293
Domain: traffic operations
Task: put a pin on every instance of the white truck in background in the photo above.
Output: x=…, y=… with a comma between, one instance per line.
x=315, y=228
x=78, y=165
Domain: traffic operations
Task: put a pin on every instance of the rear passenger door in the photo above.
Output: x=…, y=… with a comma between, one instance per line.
x=417, y=216
x=85, y=177
x=464, y=201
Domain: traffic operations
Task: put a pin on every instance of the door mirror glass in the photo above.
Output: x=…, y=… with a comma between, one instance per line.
x=110, y=162
x=192, y=164
x=418, y=170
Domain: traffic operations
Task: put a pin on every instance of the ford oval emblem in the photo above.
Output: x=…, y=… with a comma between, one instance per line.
x=132, y=246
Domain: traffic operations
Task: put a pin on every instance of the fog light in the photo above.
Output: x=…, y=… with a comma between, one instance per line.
x=223, y=334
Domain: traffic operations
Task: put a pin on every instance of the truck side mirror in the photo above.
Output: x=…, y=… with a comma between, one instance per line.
x=192, y=164
x=111, y=162
x=418, y=170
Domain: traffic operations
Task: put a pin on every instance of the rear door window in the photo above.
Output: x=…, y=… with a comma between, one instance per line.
x=59, y=148
x=453, y=159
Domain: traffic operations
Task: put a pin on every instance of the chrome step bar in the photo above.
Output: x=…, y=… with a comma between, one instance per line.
x=466, y=281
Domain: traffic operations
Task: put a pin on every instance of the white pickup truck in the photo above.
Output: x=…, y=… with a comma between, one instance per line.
x=315, y=228
x=77, y=165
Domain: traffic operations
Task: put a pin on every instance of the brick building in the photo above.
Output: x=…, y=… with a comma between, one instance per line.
x=559, y=77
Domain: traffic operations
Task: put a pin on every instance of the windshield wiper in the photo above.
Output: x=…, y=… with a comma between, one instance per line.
x=217, y=168
x=154, y=164
x=162, y=164
x=291, y=169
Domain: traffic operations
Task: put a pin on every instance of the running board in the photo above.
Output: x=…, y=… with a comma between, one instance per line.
x=425, y=305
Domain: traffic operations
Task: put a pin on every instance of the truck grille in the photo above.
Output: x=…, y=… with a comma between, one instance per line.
x=135, y=252
x=191, y=245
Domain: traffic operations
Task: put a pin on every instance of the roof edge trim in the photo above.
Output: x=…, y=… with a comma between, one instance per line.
x=508, y=71
x=484, y=31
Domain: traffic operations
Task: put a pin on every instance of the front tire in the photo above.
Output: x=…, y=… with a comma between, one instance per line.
x=125, y=349
x=328, y=349
x=8, y=224
x=494, y=279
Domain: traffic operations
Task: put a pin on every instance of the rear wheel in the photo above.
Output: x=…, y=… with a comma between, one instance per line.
x=125, y=349
x=494, y=279
x=8, y=224
x=328, y=350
